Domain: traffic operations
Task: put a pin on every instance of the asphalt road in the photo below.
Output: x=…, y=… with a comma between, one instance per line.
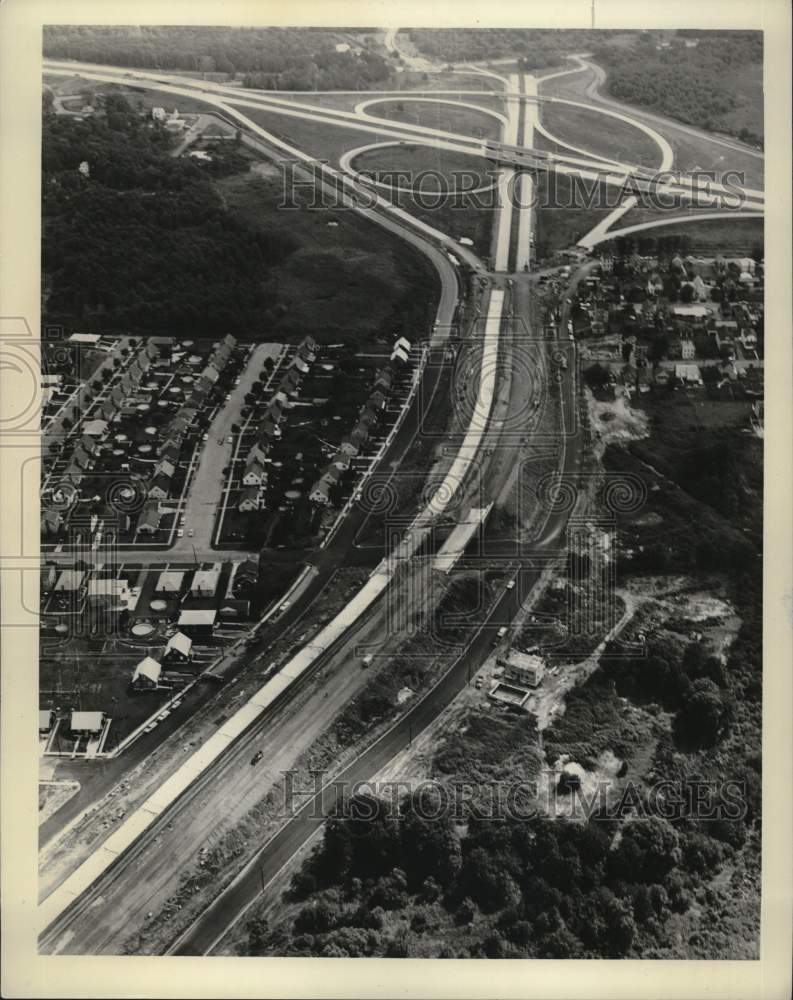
x=215, y=921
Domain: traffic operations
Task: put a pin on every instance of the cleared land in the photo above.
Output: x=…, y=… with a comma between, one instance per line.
x=464, y=121
x=348, y=278
x=600, y=134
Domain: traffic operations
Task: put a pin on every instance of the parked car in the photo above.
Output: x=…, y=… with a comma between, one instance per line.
x=191, y=532
x=180, y=533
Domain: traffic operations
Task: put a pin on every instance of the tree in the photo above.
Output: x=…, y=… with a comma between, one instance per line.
x=703, y=717
x=648, y=850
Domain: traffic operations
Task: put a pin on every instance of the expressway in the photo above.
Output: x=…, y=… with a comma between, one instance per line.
x=193, y=769
x=506, y=153
x=70, y=897
x=90, y=884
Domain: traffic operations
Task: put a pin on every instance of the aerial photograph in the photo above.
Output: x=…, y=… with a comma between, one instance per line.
x=401, y=499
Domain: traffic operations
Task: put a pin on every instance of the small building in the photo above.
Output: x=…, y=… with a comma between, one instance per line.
x=169, y=582
x=146, y=676
x=46, y=720
x=86, y=339
x=688, y=374
x=70, y=581
x=255, y=475
x=522, y=669
x=319, y=494
x=86, y=723
x=383, y=379
x=179, y=649
x=205, y=581
x=112, y=591
x=688, y=350
x=695, y=314
x=403, y=344
x=149, y=520
x=308, y=349
x=198, y=623
x=160, y=488
x=95, y=428
x=158, y=114
x=249, y=499
x=377, y=400
x=210, y=373
x=165, y=467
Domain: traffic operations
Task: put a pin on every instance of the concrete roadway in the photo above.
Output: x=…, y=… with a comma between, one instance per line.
x=101, y=778
x=263, y=869
x=218, y=94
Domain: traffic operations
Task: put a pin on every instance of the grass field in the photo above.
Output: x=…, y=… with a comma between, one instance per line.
x=326, y=142
x=348, y=278
x=717, y=235
x=600, y=134
x=560, y=223
x=463, y=121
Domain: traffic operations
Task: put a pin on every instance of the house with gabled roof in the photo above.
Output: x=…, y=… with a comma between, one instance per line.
x=383, y=379
x=179, y=649
x=377, y=400
x=160, y=487
x=80, y=457
x=249, y=499
x=170, y=452
x=146, y=676
x=256, y=454
x=255, y=474
x=164, y=468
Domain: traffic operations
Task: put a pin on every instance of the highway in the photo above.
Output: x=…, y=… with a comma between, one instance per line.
x=84, y=913
x=506, y=153
x=259, y=874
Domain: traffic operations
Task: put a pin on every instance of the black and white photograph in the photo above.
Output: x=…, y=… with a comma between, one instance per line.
x=403, y=491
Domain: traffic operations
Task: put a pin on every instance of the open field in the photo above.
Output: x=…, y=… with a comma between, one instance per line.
x=464, y=121
x=347, y=278
x=561, y=222
x=429, y=171
x=600, y=135
x=734, y=235
x=325, y=142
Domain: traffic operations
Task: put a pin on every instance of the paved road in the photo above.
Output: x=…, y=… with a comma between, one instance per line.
x=231, y=904
x=220, y=95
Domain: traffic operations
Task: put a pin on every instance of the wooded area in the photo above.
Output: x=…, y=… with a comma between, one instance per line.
x=143, y=243
x=269, y=58
x=695, y=84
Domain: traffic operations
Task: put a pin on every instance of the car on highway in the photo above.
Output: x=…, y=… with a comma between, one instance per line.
x=257, y=757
